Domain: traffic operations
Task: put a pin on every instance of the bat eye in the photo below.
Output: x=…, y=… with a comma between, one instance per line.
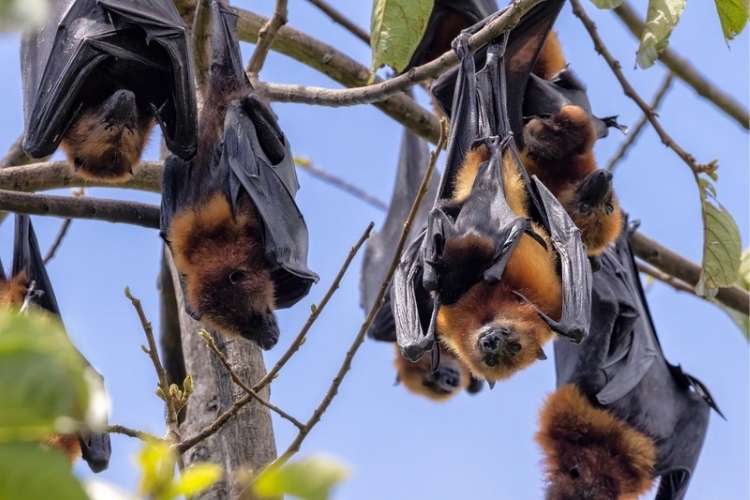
x=77, y=162
x=237, y=276
x=574, y=472
x=609, y=208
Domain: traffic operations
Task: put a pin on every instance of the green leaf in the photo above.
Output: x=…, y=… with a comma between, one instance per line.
x=733, y=15
x=33, y=472
x=741, y=320
x=43, y=380
x=607, y=4
x=309, y=479
x=397, y=27
x=196, y=479
x=662, y=17
x=721, y=246
x=157, y=461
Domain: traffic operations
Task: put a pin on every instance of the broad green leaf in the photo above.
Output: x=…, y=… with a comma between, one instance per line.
x=33, y=472
x=662, y=17
x=733, y=15
x=196, y=479
x=607, y=4
x=721, y=246
x=397, y=26
x=309, y=479
x=43, y=379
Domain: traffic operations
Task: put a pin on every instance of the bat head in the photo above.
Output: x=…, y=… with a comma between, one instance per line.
x=589, y=453
x=450, y=377
x=493, y=331
x=221, y=259
x=106, y=140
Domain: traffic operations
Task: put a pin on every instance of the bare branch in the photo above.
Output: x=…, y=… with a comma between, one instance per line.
x=201, y=42
x=675, y=283
x=672, y=264
x=161, y=373
x=128, y=212
x=339, y=18
x=126, y=431
x=308, y=166
x=214, y=426
x=237, y=380
x=58, y=240
x=16, y=156
x=59, y=174
x=377, y=304
x=686, y=72
x=629, y=91
x=265, y=38
x=340, y=67
x=634, y=132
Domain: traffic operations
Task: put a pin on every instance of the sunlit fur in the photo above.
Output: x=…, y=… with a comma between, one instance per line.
x=589, y=454
x=531, y=271
x=102, y=151
x=559, y=150
x=68, y=444
x=213, y=247
x=13, y=291
x=419, y=378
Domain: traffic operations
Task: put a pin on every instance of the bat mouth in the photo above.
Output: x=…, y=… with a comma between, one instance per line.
x=498, y=344
x=261, y=329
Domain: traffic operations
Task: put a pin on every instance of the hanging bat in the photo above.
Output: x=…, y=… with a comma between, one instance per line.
x=622, y=415
x=29, y=281
x=449, y=376
x=500, y=266
x=238, y=239
x=99, y=75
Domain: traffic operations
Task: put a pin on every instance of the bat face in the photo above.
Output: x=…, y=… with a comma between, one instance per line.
x=220, y=256
x=107, y=139
x=450, y=377
x=589, y=453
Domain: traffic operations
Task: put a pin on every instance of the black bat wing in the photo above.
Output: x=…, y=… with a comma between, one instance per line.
x=27, y=258
x=82, y=40
x=413, y=162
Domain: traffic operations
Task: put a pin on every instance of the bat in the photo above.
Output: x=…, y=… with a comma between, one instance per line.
x=28, y=280
x=449, y=376
x=500, y=267
x=622, y=415
x=238, y=239
x=99, y=75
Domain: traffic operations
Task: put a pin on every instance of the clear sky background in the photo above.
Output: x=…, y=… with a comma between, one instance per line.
x=400, y=446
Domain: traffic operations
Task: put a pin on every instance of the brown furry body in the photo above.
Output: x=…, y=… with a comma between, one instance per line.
x=419, y=378
x=591, y=454
x=559, y=150
x=531, y=271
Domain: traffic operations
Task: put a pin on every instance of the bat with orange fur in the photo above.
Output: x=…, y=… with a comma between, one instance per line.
x=238, y=239
x=99, y=75
x=29, y=283
x=622, y=416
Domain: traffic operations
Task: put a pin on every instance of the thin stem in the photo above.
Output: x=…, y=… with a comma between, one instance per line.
x=58, y=240
x=134, y=433
x=265, y=38
x=339, y=18
x=309, y=167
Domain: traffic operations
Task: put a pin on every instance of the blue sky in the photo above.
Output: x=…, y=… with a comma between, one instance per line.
x=399, y=446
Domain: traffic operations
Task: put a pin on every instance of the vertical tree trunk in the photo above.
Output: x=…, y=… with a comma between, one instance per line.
x=246, y=441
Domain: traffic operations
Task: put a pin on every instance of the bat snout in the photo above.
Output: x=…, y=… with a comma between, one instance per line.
x=596, y=189
x=446, y=380
x=498, y=342
x=262, y=329
x=121, y=110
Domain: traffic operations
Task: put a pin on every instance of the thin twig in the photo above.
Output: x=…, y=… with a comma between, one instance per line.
x=686, y=72
x=126, y=431
x=265, y=38
x=214, y=426
x=675, y=283
x=629, y=91
x=58, y=240
x=237, y=380
x=339, y=18
x=633, y=134
x=384, y=89
x=161, y=373
x=128, y=212
x=16, y=156
x=377, y=304
x=309, y=167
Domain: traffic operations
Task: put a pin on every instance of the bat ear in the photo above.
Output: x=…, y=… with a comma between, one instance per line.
x=398, y=380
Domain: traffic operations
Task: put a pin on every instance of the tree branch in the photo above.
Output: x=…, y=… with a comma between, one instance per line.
x=658, y=275
x=217, y=424
x=58, y=240
x=632, y=137
x=686, y=72
x=338, y=18
x=265, y=38
x=340, y=67
x=126, y=431
x=309, y=167
x=128, y=212
x=201, y=34
x=59, y=174
x=16, y=156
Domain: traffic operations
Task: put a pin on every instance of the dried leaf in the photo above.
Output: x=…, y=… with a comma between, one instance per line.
x=661, y=19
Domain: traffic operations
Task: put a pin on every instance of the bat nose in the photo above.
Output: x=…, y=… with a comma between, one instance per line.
x=447, y=379
x=596, y=187
x=492, y=339
x=121, y=107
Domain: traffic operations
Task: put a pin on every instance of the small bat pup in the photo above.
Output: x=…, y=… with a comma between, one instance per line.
x=500, y=268
x=97, y=78
x=29, y=281
x=229, y=217
x=436, y=379
x=622, y=415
